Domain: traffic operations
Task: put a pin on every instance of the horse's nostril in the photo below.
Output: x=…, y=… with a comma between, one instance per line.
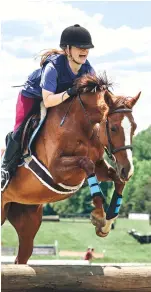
x=123, y=173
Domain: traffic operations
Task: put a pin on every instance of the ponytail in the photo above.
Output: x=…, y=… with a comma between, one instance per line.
x=49, y=53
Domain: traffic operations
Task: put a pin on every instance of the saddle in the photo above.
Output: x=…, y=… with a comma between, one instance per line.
x=31, y=131
x=30, y=127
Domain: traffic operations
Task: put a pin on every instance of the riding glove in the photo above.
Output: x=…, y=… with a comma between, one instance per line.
x=72, y=91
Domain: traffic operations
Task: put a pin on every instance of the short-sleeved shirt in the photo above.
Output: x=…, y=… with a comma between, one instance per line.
x=49, y=76
x=55, y=76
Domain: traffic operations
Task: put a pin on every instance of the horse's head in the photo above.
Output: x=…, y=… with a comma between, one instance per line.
x=120, y=128
x=114, y=113
x=91, y=90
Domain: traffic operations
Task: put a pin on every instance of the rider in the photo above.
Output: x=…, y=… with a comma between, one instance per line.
x=53, y=83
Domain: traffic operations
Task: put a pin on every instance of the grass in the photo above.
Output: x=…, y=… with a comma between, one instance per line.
x=117, y=247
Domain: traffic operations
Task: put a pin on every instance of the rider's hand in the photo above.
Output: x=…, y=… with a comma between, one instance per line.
x=72, y=91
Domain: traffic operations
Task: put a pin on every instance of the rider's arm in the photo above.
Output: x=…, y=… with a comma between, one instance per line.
x=49, y=86
x=50, y=99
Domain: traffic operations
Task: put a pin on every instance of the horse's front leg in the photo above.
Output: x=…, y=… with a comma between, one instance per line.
x=105, y=172
x=98, y=214
x=65, y=165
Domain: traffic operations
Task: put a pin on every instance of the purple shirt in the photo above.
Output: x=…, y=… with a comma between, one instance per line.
x=55, y=76
x=50, y=75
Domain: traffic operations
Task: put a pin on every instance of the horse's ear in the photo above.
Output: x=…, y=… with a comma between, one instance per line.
x=108, y=97
x=131, y=102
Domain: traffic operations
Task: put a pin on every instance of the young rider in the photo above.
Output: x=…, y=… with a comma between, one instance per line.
x=53, y=83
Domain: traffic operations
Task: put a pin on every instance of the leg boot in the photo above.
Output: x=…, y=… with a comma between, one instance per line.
x=10, y=161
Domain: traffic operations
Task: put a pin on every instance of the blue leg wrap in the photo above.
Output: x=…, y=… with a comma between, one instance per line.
x=95, y=189
x=114, y=207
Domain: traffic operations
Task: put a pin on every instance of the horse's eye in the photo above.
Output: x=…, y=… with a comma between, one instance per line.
x=113, y=128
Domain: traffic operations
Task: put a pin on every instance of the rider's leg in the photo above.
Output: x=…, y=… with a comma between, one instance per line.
x=10, y=160
x=12, y=153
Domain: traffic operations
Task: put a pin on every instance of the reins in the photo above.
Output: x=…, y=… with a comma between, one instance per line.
x=69, y=107
x=109, y=149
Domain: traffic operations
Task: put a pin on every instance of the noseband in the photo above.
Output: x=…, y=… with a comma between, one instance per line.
x=110, y=150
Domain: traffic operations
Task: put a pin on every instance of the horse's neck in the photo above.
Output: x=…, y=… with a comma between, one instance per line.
x=81, y=114
x=68, y=110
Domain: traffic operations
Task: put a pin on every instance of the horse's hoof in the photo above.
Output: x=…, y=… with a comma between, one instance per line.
x=100, y=233
x=97, y=220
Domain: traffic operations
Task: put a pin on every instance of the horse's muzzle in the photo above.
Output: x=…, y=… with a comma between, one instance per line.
x=126, y=173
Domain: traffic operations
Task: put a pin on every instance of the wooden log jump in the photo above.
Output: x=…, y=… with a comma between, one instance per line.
x=76, y=278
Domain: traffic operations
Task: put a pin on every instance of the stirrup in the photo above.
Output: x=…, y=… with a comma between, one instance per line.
x=6, y=179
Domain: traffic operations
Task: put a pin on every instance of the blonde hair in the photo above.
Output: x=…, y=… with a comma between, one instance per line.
x=49, y=53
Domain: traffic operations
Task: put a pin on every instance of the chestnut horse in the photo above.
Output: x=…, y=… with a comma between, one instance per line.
x=95, y=120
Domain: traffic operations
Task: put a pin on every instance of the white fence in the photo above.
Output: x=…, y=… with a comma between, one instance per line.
x=138, y=216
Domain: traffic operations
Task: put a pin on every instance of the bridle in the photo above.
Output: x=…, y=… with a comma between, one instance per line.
x=110, y=150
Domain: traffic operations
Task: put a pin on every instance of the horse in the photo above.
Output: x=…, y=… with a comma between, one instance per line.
x=71, y=145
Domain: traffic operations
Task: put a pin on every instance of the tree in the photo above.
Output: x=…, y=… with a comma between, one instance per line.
x=142, y=145
x=137, y=194
x=79, y=203
x=48, y=210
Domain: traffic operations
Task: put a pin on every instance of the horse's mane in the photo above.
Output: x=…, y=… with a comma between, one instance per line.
x=88, y=82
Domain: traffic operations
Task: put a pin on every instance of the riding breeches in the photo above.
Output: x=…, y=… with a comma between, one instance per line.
x=23, y=107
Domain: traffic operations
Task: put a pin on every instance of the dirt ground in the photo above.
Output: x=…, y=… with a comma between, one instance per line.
x=80, y=254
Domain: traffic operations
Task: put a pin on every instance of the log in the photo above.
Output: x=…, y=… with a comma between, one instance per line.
x=75, y=278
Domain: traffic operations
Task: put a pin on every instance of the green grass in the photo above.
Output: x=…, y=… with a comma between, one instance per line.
x=119, y=246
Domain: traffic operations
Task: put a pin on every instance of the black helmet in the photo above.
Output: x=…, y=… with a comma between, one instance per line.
x=76, y=36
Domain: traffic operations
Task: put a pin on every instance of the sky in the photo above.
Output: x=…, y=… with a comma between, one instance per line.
x=121, y=33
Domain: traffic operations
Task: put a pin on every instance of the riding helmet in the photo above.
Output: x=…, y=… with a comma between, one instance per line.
x=76, y=36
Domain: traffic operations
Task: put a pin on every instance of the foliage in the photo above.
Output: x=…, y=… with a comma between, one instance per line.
x=48, y=210
x=142, y=145
x=77, y=204
x=137, y=193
